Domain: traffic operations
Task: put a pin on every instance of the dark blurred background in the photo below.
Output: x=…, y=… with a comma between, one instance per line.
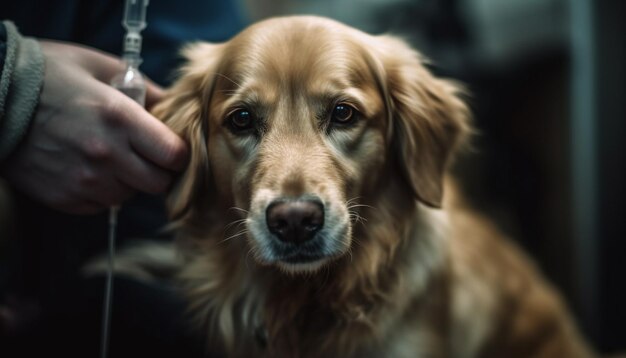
x=548, y=94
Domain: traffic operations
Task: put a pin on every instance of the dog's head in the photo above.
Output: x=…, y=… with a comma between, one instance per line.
x=296, y=119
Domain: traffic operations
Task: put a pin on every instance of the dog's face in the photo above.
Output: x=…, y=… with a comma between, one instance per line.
x=295, y=121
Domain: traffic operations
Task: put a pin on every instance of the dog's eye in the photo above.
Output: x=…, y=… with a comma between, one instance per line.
x=241, y=120
x=343, y=114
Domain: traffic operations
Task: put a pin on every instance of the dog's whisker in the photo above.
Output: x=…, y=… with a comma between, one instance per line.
x=352, y=206
x=352, y=203
x=236, y=222
x=354, y=213
x=233, y=223
x=239, y=209
x=228, y=78
x=242, y=232
x=239, y=225
x=356, y=218
x=353, y=200
x=229, y=93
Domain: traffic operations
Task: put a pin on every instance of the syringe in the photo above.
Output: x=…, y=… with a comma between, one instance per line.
x=131, y=83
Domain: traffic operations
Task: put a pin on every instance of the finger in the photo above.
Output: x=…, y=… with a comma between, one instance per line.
x=148, y=136
x=141, y=175
x=103, y=66
x=154, y=141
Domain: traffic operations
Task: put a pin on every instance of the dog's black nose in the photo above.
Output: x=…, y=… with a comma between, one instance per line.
x=295, y=221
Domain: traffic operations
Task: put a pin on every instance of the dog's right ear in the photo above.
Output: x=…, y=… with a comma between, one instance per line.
x=183, y=109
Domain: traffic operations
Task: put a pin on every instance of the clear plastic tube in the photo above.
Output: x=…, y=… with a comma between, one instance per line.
x=134, y=22
x=130, y=81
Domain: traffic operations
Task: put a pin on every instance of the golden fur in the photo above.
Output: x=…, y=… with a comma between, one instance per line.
x=410, y=273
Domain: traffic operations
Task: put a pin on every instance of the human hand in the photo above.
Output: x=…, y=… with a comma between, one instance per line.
x=89, y=146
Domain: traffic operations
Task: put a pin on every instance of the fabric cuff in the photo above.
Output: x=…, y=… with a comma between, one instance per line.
x=20, y=87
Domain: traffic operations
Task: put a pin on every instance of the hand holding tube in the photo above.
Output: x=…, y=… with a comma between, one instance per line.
x=89, y=146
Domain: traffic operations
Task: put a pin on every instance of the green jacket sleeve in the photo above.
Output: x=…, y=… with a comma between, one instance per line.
x=21, y=81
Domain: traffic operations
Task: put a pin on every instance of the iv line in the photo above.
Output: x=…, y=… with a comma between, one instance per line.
x=131, y=83
x=108, y=295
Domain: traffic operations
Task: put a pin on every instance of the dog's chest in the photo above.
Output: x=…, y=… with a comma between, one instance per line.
x=401, y=340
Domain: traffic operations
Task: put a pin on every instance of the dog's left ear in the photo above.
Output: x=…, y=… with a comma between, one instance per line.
x=429, y=120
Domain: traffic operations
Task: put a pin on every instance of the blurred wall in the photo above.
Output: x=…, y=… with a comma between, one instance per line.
x=598, y=50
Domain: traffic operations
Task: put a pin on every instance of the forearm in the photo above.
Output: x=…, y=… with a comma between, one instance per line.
x=21, y=81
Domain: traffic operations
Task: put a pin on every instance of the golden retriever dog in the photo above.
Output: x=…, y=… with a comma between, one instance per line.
x=313, y=216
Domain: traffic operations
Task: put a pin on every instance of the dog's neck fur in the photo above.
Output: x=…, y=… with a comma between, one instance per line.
x=392, y=261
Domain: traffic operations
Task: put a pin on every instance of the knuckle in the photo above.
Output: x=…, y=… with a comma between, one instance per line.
x=86, y=178
x=97, y=149
x=111, y=111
